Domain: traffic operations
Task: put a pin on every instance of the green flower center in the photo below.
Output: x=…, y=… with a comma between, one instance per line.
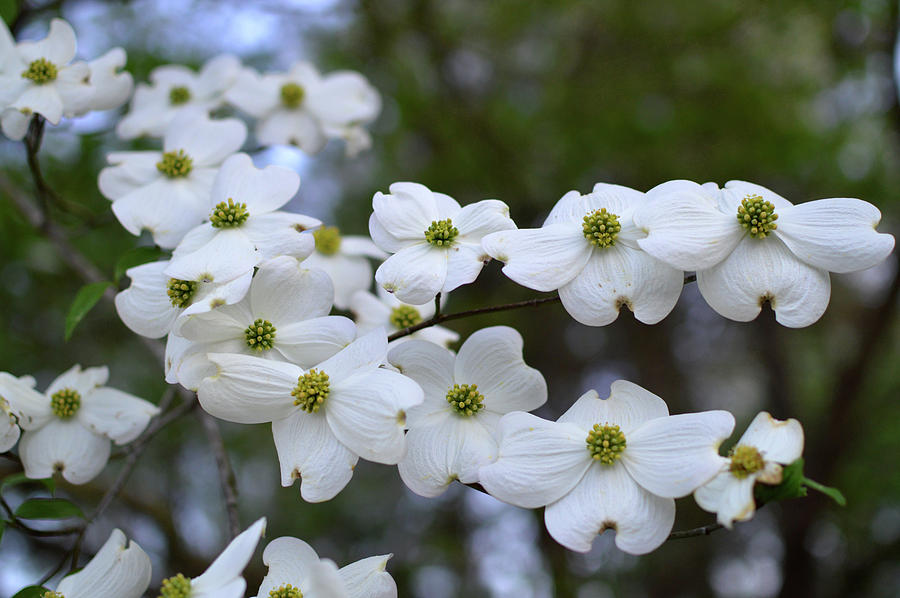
x=179, y=95
x=441, y=233
x=52, y=595
x=605, y=443
x=175, y=164
x=65, y=403
x=178, y=586
x=601, y=228
x=328, y=240
x=745, y=460
x=757, y=216
x=404, y=316
x=229, y=215
x=41, y=71
x=311, y=390
x=287, y=591
x=292, y=95
x=260, y=335
x=181, y=292
x=465, y=399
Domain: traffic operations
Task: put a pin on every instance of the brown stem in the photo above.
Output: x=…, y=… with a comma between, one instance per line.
x=226, y=473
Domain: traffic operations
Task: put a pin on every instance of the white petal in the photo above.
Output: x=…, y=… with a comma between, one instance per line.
x=465, y=261
x=729, y=497
x=361, y=246
x=570, y=209
x=58, y=47
x=482, y=218
x=313, y=341
x=112, y=86
x=344, y=97
x=607, y=498
x=348, y=274
x=249, y=390
x=129, y=171
x=83, y=381
x=407, y=212
x=284, y=291
x=309, y=450
x=234, y=588
x=543, y=259
x=116, y=414
x=43, y=99
x=145, y=307
x=30, y=407
x=290, y=561
x=116, y=571
x=628, y=406
x=168, y=208
x=291, y=127
x=208, y=142
x=211, y=295
x=764, y=269
x=263, y=190
x=539, y=461
x=415, y=274
x=735, y=191
x=673, y=456
x=367, y=578
x=65, y=446
x=228, y=255
x=778, y=440
x=383, y=239
x=14, y=123
x=837, y=235
x=281, y=233
x=254, y=94
x=229, y=565
x=362, y=355
x=429, y=365
x=369, y=311
x=9, y=431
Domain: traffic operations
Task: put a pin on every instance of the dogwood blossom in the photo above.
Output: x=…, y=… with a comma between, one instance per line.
x=386, y=311
x=345, y=260
x=453, y=432
x=121, y=569
x=68, y=428
x=173, y=88
x=9, y=429
x=168, y=192
x=750, y=246
x=305, y=109
x=587, y=249
x=758, y=456
x=244, y=227
x=436, y=245
x=222, y=579
x=111, y=86
x=613, y=463
x=296, y=570
x=323, y=419
x=283, y=317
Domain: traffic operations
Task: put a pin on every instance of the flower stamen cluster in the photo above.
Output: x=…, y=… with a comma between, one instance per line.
x=181, y=292
x=745, y=460
x=175, y=164
x=606, y=443
x=757, y=216
x=41, y=71
x=229, y=215
x=311, y=390
x=441, y=233
x=50, y=594
x=328, y=240
x=286, y=591
x=292, y=95
x=601, y=228
x=404, y=316
x=65, y=403
x=179, y=95
x=177, y=586
x=260, y=335
x=465, y=399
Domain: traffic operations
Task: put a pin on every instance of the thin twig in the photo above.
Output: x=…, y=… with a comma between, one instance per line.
x=226, y=473
x=697, y=531
x=437, y=304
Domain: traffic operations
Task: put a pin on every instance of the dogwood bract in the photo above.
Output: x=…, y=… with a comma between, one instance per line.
x=436, y=245
x=9, y=429
x=750, y=246
x=68, y=428
x=345, y=260
x=120, y=569
x=587, y=248
x=168, y=192
x=613, y=463
x=453, y=432
x=758, y=456
x=388, y=312
x=323, y=419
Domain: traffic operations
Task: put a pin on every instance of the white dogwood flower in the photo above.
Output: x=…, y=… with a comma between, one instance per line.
x=758, y=456
x=436, y=245
x=613, y=463
x=345, y=260
x=283, y=317
x=173, y=88
x=296, y=570
x=750, y=246
x=168, y=192
x=384, y=310
x=323, y=419
x=305, y=109
x=587, y=249
x=111, y=86
x=222, y=579
x=68, y=428
x=245, y=227
x=121, y=569
x=453, y=432
x=153, y=302
x=9, y=429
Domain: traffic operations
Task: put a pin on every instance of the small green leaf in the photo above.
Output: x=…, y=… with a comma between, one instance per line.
x=791, y=485
x=85, y=300
x=135, y=257
x=832, y=493
x=9, y=10
x=19, y=478
x=31, y=592
x=48, y=508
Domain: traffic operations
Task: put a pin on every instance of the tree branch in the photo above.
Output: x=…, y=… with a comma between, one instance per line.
x=226, y=473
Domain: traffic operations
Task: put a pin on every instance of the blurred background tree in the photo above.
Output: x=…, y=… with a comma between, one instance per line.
x=520, y=101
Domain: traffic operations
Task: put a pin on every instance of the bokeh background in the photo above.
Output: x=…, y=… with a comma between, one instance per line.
x=521, y=101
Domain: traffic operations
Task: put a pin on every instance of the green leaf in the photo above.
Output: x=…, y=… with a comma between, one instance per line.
x=17, y=479
x=31, y=592
x=135, y=257
x=832, y=493
x=791, y=485
x=85, y=300
x=9, y=10
x=48, y=508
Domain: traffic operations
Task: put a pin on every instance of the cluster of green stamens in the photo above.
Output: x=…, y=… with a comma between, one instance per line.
x=441, y=233
x=229, y=215
x=50, y=594
x=465, y=399
x=65, y=403
x=287, y=591
x=181, y=292
x=292, y=95
x=260, y=335
x=601, y=228
x=606, y=443
x=41, y=71
x=404, y=316
x=757, y=216
x=178, y=586
x=328, y=240
x=745, y=460
x=311, y=390
x=175, y=164
x=179, y=95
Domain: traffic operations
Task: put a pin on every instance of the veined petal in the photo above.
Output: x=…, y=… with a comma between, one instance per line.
x=369, y=311
x=312, y=341
x=227, y=255
x=43, y=99
x=83, y=381
x=129, y=171
x=115, y=414
x=249, y=390
x=628, y=406
x=208, y=142
x=167, y=208
x=778, y=440
x=385, y=240
x=607, y=498
x=481, y=218
x=539, y=461
x=429, y=365
x=415, y=274
x=290, y=561
x=211, y=296
x=735, y=191
x=362, y=355
x=543, y=259
x=145, y=307
x=729, y=497
x=464, y=264
x=281, y=233
x=229, y=565
x=760, y=270
x=116, y=571
x=347, y=274
x=407, y=212
x=30, y=407
x=64, y=446
x=263, y=190
x=367, y=578
x=836, y=234
x=284, y=291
